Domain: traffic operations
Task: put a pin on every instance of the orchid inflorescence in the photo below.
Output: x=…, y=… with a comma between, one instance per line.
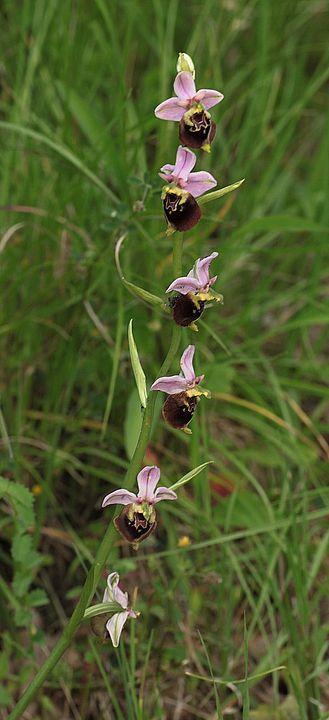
x=189, y=295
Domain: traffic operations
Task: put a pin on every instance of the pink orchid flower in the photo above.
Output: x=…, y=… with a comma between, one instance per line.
x=186, y=381
x=138, y=520
x=186, y=96
x=196, y=183
x=197, y=281
x=147, y=479
x=190, y=108
x=116, y=622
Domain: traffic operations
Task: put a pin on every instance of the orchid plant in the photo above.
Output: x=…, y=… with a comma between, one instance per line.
x=137, y=520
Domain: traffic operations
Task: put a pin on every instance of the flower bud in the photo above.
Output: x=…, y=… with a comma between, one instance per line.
x=185, y=63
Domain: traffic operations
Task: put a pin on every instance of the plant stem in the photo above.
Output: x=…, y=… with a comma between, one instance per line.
x=105, y=546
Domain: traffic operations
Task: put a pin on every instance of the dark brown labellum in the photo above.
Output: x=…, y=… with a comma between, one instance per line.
x=181, y=210
x=196, y=129
x=186, y=309
x=134, y=526
x=178, y=409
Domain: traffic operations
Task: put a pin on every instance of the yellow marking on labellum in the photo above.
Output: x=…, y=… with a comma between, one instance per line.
x=206, y=147
x=195, y=392
x=187, y=431
x=193, y=327
x=197, y=108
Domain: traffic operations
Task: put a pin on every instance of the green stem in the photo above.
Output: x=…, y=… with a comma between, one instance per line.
x=105, y=546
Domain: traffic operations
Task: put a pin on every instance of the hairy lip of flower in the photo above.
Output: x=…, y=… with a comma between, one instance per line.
x=197, y=128
x=136, y=522
x=180, y=207
x=186, y=308
x=178, y=409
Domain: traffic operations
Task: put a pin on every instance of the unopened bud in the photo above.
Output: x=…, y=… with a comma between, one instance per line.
x=185, y=64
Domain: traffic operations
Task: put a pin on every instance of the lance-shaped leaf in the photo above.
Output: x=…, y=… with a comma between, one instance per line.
x=137, y=367
x=101, y=609
x=139, y=292
x=190, y=475
x=219, y=193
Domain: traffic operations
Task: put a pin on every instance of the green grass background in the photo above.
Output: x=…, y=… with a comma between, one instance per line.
x=80, y=146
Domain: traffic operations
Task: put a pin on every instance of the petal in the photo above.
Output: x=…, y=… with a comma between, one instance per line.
x=113, y=593
x=171, y=109
x=202, y=268
x=119, y=497
x=185, y=161
x=147, y=480
x=209, y=98
x=166, y=172
x=186, y=363
x=184, y=86
x=170, y=385
x=163, y=493
x=114, y=626
x=184, y=285
x=199, y=182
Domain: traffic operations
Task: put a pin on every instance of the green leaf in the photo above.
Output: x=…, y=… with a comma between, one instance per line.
x=143, y=294
x=37, y=597
x=136, y=366
x=21, y=499
x=135, y=289
x=133, y=423
x=21, y=548
x=101, y=608
x=219, y=193
x=190, y=475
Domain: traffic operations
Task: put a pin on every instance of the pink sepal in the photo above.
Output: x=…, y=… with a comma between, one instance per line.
x=199, y=182
x=163, y=493
x=186, y=363
x=171, y=109
x=202, y=269
x=208, y=98
x=171, y=385
x=184, y=285
x=147, y=480
x=184, y=86
x=119, y=497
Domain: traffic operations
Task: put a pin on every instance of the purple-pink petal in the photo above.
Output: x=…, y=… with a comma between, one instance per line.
x=184, y=86
x=202, y=268
x=185, y=161
x=171, y=109
x=186, y=363
x=163, y=493
x=171, y=385
x=209, y=98
x=184, y=285
x=119, y=497
x=115, y=624
x=113, y=592
x=147, y=480
x=199, y=182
